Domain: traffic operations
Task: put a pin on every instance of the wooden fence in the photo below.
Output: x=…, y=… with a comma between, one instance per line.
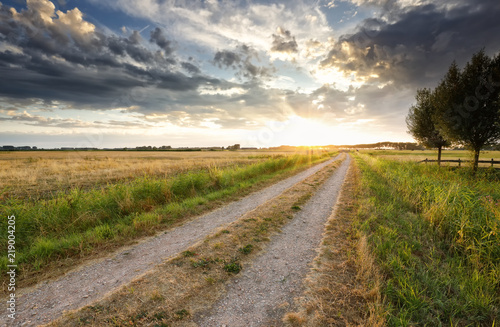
x=460, y=161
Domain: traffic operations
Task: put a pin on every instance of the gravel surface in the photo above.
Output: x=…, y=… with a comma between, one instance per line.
x=92, y=282
x=266, y=290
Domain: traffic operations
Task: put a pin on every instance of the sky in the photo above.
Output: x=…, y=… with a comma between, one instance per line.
x=126, y=73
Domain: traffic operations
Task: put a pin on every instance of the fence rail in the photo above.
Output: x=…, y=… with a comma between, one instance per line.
x=460, y=161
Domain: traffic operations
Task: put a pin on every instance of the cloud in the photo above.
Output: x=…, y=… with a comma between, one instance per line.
x=36, y=120
x=190, y=68
x=241, y=60
x=63, y=67
x=52, y=55
x=418, y=44
x=227, y=59
x=159, y=38
x=284, y=42
x=211, y=25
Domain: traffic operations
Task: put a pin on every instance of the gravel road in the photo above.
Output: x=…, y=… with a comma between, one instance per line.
x=87, y=284
x=266, y=290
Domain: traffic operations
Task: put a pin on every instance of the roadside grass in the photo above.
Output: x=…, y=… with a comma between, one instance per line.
x=419, y=155
x=435, y=233
x=186, y=286
x=429, y=153
x=52, y=234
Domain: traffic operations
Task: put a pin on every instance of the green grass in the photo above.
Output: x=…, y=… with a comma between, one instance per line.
x=73, y=224
x=485, y=155
x=436, y=236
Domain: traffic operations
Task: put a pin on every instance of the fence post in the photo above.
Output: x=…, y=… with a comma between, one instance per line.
x=491, y=162
x=459, y=162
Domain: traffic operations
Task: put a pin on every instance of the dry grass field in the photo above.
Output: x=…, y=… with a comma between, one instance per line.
x=41, y=174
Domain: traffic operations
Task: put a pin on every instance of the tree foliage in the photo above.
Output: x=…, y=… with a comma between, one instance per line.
x=420, y=122
x=467, y=104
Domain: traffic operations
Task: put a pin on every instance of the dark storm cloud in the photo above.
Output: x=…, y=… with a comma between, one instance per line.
x=159, y=38
x=419, y=43
x=62, y=57
x=190, y=68
x=284, y=42
x=241, y=60
x=226, y=59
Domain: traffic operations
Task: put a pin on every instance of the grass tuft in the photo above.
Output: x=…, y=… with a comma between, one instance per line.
x=233, y=267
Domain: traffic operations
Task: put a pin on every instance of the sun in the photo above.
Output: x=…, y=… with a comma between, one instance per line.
x=299, y=131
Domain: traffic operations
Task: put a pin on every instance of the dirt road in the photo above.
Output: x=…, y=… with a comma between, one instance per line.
x=92, y=282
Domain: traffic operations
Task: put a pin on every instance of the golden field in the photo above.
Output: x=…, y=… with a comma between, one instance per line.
x=40, y=174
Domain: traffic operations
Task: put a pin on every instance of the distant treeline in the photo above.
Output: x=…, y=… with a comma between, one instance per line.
x=386, y=145
x=379, y=145
x=139, y=148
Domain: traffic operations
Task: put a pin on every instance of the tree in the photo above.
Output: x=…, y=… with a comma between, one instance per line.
x=467, y=102
x=234, y=147
x=420, y=122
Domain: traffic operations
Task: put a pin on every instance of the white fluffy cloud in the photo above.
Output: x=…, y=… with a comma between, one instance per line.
x=221, y=25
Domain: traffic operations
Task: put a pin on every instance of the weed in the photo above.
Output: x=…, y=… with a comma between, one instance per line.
x=203, y=263
x=156, y=296
x=294, y=319
x=247, y=249
x=188, y=254
x=160, y=315
x=104, y=232
x=210, y=280
x=86, y=320
x=181, y=314
x=141, y=315
x=218, y=245
x=233, y=267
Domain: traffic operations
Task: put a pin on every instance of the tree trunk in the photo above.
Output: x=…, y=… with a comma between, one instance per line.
x=439, y=155
x=476, y=159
